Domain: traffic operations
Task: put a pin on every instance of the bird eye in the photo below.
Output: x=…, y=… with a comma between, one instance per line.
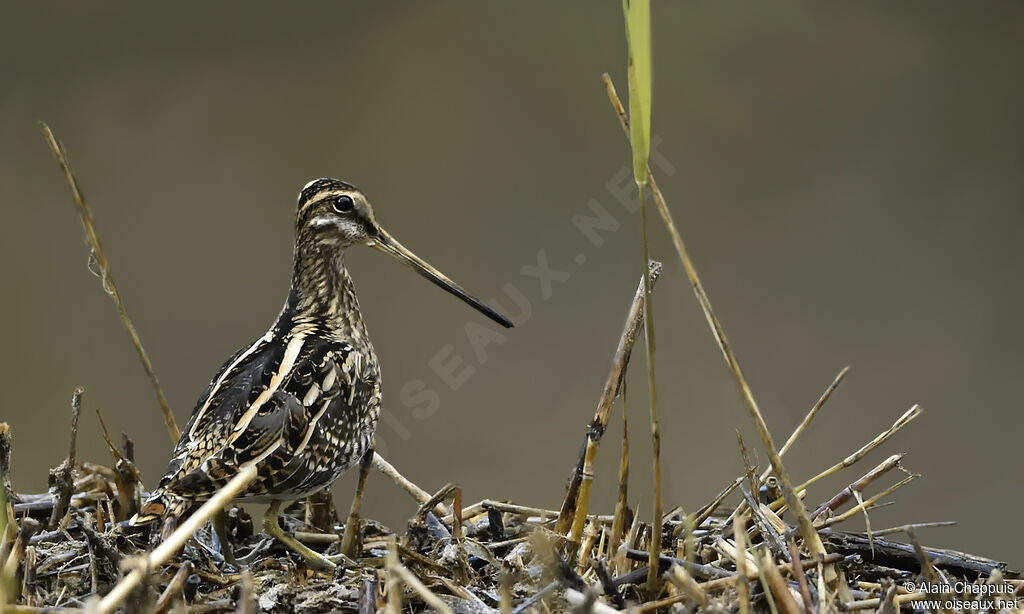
x=343, y=204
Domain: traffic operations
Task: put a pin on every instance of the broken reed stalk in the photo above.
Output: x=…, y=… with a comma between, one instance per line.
x=868, y=504
x=863, y=451
x=574, y=508
x=811, y=539
x=62, y=478
x=801, y=577
x=173, y=590
x=732, y=580
x=176, y=540
x=780, y=590
x=858, y=486
x=402, y=573
x=621, y=502
x=392, y=588
x=348, y=538
x=808, y=418
x=739, y=523
x=100, y=258
x=420, y=495
x=653, y=578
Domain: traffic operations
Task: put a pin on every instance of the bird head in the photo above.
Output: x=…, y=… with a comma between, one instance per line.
x=337, y=215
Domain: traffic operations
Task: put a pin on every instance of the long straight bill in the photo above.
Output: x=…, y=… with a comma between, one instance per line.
x=387, y=244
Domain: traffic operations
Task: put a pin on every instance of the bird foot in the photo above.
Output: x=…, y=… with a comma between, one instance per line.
x=312, y=557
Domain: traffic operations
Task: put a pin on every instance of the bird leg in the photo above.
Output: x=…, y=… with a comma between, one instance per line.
x=274, y=530
x=350, y=536
x=220, y=529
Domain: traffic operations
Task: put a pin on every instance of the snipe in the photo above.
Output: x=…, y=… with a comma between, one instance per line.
x=301, y=402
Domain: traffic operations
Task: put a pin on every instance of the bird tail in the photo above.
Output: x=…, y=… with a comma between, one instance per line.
x=162, y=507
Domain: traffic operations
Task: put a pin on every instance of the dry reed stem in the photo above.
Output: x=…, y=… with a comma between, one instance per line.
x=578, y=600
x=575, y=506
x=719, y=584
x=621, y=501
x=739, y=523
x=505, y=603
x=93, y=237
x=763, y=579
x=245, y=603
x=914, y=526
x=420, y=495
x=705, y=512
x=349, y=540
x=176, y=540
x=62, y=477
x=174, y=588
x=809, y=417
x=415, y=584
x=801, y=577
x=682, y=580
x=858, y=486
x=780, y=590
x=863, y=451
x=392, y=588
x=806, y=528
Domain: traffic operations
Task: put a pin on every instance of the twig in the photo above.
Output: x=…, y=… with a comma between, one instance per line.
x=176, y=540
x=621, y=501
x=425, y=593
x=392, y=588
x=28, y=581
x=731, y=580
x=863, y=451
x=512, y=508
x=174, y=588
x=126, y=475
x=705, y=512
x=653, y=578
x=903, y=556
x=62, y=478
x=912, y=527
x=858, y=486
x=739, y=523
x=579, y=600
x=772, y=538
x=682, y=580
x=534, y=598
x=763, y=578
x=871, y=503
x=349, y=541
x=103, y=266
x=810, y=416
x=245, y=604
x=575, y=505
x=780, y=590
x=417, y=493
x=801, y=577
x=811, y=539
x=505, y=589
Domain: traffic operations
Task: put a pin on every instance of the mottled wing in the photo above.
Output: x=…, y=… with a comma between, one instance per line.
x=270, y=404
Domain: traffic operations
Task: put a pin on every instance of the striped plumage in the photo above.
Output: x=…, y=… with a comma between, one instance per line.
x=301, y=402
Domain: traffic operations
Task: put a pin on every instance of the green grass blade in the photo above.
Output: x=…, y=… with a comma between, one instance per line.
x=638, y=35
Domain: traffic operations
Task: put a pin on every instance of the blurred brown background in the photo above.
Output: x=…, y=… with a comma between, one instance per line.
x=848, y=178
